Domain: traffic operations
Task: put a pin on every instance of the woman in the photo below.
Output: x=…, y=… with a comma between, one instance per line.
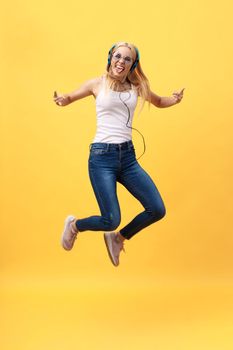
x=112, y=155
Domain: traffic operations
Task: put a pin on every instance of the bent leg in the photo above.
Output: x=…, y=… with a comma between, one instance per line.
x=141, y=186
x=103, y=181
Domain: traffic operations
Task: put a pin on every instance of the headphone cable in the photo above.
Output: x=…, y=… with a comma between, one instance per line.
x=123, y=101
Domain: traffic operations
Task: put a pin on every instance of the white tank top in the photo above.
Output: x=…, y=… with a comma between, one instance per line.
x=112, y=115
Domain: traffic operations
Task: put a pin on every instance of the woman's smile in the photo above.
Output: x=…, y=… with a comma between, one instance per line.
x=119, y=68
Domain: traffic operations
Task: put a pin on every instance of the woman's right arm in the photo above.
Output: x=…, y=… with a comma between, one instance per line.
x=86, y=89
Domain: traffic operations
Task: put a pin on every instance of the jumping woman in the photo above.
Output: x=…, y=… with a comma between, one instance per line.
x=112, y=156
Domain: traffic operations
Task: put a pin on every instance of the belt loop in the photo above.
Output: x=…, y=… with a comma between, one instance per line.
x=108, y=145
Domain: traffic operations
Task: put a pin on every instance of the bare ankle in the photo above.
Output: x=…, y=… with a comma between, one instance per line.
x=122, y=238
x=74, y=227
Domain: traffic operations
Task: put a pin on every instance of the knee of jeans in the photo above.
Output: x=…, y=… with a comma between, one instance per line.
x=112, y=222
x=158, y=212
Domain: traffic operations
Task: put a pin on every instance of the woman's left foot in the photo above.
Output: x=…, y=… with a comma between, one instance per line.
x=114, y=246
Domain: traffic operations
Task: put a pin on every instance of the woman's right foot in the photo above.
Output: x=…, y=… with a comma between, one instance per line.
x=69, y=234
x=114, y=246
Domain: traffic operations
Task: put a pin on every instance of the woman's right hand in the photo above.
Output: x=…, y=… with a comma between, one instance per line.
x=61, y=100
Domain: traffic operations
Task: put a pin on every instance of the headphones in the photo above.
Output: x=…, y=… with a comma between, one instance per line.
x=135, y=62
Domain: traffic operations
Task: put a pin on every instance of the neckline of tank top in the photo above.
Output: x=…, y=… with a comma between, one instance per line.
x=131, y=89
x=122, y=91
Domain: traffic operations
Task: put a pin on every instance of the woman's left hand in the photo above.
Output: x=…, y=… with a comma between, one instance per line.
x=178, y=95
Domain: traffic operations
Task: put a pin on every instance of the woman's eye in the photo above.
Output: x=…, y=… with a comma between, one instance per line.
x=118, y=56
x=128, y=59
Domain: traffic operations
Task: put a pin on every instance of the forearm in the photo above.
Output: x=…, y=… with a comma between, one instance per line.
x=167, y=101
x=164, y=101
x=85, y=90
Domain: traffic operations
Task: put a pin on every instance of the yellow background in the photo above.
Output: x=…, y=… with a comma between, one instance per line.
x=173, y=289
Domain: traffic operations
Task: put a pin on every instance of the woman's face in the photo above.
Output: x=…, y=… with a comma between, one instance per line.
x=121, y=62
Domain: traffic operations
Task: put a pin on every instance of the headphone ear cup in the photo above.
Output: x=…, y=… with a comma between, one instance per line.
x=109, y=58
x=110, y=54
x=134, y=65
x=136, y=61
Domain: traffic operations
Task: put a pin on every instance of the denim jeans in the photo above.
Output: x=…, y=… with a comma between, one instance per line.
x=108, y=164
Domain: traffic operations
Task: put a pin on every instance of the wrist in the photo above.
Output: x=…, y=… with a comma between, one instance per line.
x=68, y=99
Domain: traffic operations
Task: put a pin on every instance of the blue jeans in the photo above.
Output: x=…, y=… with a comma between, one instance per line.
x=108, y=164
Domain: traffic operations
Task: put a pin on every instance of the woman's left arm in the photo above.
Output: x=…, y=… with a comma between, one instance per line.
x=163, y=101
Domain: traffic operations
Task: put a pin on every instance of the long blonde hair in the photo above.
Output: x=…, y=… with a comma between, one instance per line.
x=136, y=77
